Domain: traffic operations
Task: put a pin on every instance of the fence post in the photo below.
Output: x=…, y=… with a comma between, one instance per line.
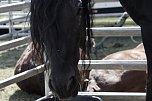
x=46, y=78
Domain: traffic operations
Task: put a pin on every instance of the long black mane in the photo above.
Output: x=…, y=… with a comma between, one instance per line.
x=44, y=14
x=40, y=22
x=87, y=23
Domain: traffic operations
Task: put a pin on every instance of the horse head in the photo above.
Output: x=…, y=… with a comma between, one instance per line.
x=56, y=27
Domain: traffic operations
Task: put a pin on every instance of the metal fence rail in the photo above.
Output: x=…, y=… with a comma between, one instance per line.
x=22, y=76
x=98, y=32
x=116, y=31
x=14, y=7
x=19, y=20
x=117, y=96
x=115, y=64
x=14, y=43
x=95, y=64
x=112, y=96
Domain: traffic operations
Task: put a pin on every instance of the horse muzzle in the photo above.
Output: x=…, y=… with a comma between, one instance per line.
x=66, y=89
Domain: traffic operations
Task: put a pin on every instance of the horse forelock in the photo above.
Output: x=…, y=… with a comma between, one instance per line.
x=43, y=16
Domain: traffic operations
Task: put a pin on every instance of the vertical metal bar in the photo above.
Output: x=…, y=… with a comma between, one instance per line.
x=46, y=78
x=10, y=15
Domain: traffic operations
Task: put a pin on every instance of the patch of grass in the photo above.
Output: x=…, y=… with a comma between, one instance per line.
x=110, y=21
x=8, y=58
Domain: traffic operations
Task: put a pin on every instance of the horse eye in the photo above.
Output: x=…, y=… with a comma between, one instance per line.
x=58, y=51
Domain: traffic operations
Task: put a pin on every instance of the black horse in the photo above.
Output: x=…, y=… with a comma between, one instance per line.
x=141, y=13
x=58, y=29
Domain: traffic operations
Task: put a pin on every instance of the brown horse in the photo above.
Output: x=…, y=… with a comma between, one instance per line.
x=33, y=84
x=137, y=53
x=120, y=80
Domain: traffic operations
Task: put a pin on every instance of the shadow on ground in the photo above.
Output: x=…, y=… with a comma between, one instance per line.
x=23, y=96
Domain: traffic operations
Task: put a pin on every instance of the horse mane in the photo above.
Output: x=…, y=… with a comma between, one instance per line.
x=87, y=23
x=41, y=22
